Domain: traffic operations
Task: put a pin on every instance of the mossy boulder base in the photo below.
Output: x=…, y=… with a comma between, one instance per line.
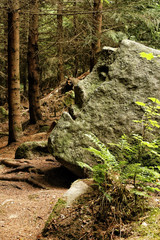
x=105, y=103
x=29, y=150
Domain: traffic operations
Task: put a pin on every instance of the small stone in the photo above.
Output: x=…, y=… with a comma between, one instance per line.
x=13, y=216
x=144, y=224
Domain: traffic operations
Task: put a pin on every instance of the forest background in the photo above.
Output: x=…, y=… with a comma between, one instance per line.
x=45, y=42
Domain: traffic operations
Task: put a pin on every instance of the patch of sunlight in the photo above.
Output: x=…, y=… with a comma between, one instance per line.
x=147, y=228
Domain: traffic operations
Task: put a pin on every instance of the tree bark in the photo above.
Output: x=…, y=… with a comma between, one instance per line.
x=33, y=65
x=60, y=70
x=23, y=52
x=96, y=32
x=15, y=126
x=5, y=50
x=75, y=32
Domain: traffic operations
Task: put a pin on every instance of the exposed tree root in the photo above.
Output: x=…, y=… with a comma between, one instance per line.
x=12, y=185
x=29, y=180
x=10, y=163
x=19, y=167
x=26, y=168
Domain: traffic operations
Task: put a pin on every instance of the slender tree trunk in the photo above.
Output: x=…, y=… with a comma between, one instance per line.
x=15, y=126
x=60, y=71
x=23, y=53
x=5, y=50
x=75, y=32
x=96, y=32
x=33, y=65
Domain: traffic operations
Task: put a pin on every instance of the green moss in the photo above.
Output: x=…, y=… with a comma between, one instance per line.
x=69, y=99
x=61, y=203
x=18, y=129
x=3, y=114
x=149, y=228
x=44, y=128
x=33, y=196
x=3, y=111
x=29, y=149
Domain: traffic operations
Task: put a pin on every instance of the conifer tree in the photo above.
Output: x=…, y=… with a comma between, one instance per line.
x=33, y=64
x=15, y=127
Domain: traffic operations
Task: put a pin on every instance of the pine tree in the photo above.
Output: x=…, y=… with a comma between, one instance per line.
x=33, y=64
x=15, y=127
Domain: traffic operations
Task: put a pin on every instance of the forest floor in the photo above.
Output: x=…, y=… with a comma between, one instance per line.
x=25, y=205
x=24, y=208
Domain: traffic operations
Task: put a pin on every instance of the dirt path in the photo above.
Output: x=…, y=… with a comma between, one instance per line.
x=23, y=212
x=24, y=208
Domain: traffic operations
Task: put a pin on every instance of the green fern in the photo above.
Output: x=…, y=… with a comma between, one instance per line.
x=110, y=171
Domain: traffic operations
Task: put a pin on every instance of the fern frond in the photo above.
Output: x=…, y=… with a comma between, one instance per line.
x=85, y=165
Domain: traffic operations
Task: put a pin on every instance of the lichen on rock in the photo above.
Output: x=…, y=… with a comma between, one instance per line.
x=105, y=103
x=29, y=150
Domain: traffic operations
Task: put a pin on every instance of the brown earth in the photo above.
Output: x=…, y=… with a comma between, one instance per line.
x=30, y=188
x=24, y=207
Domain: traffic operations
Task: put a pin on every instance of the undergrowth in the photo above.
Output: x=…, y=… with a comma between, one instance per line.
x=126, y=175
x=123, y=176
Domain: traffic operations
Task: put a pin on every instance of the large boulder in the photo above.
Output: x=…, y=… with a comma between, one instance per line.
x=105, y=102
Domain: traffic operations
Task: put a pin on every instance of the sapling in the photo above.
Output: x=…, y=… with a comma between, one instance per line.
x=120, y=171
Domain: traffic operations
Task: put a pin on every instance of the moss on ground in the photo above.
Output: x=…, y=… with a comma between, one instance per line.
x=147, y=228
x=61, y=203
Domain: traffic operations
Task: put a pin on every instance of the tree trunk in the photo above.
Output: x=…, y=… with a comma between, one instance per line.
x=75, y=32
x=5, y=50
x=96, y=32
x=23, y=52
x=15, y=126
x=33, y=65
x=60, y=70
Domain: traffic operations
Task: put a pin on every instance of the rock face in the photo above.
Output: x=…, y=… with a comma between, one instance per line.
x=105, y=102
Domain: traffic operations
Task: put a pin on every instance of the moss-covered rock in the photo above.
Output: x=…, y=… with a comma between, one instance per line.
x=29, y=150
x=61, y=203
x=106, y=103
x=69, y=98
x=74, y=193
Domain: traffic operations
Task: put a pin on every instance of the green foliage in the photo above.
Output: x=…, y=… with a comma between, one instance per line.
x=148, y=56
x=106, y=1
x=69, y=98
x=134, y=149
x=151, y=116
x=107, y=167
x=137, y=19
x=141, y=177
x=121, y=171
x=135, y=158
x=148, y=228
